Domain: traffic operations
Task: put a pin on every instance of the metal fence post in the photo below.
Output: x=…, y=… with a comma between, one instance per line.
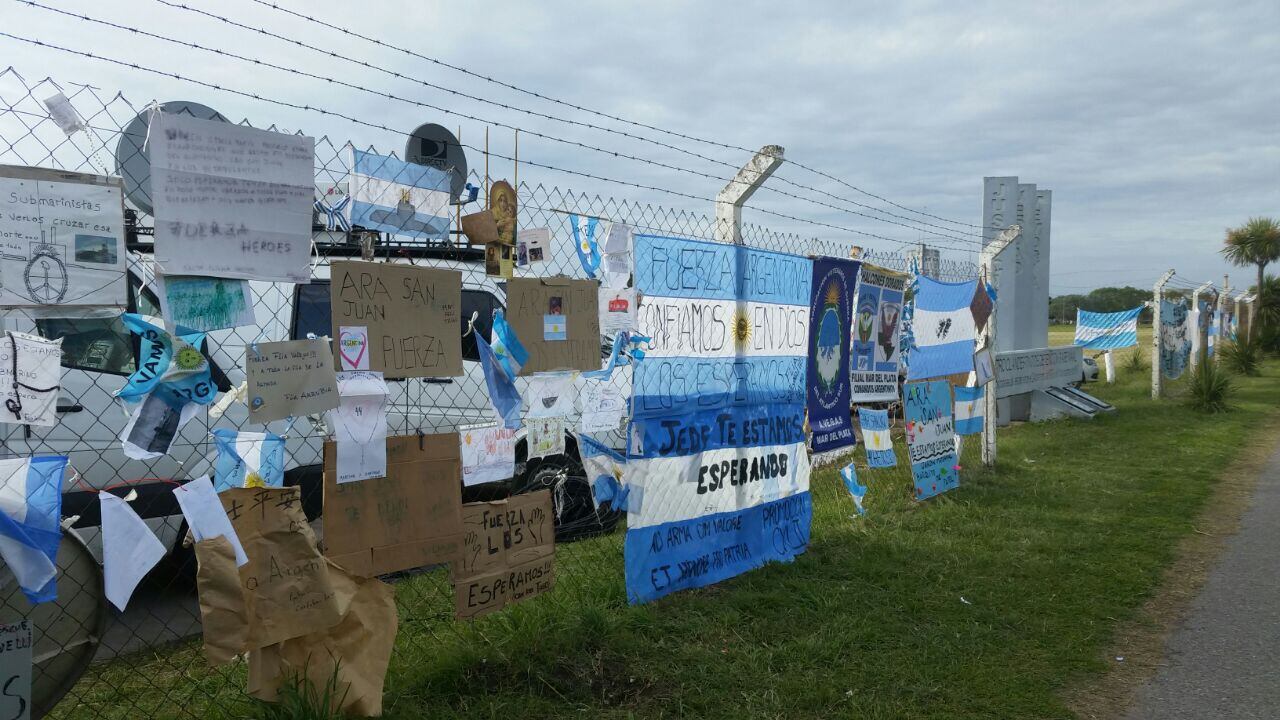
x=987, y=274
x=1157, y=296
x=729, y=201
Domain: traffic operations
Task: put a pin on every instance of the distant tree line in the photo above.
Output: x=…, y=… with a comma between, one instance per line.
x=1062, y=309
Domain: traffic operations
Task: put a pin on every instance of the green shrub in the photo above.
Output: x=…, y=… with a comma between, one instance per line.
x=1134, y=362
x=1210, y=389
x=299, y=699
x=1242, y=357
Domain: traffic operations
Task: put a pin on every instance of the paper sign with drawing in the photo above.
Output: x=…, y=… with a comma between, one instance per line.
x=30, y=398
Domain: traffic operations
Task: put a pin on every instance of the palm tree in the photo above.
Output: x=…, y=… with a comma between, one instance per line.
x=1256, y=243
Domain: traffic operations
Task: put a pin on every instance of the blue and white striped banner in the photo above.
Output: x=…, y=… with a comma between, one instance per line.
x=1107, y=331
x=397, y=197
x=30, y=513
x=943, y=331
x=969, y=410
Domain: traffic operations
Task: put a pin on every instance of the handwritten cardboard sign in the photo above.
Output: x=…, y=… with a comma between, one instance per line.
x=408, y=519
x=413, y=316
x=557, y=321
x=508, y=552
x=15, y=670
x=288, y=591
x=290, y=379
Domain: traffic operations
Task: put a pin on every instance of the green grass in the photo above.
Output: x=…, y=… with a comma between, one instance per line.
x=984, y=603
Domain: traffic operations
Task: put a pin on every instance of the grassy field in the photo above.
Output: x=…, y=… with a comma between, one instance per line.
x=985, y=603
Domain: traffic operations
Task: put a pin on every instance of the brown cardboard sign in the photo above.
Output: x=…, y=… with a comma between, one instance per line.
x=480, y=228
x=287, y=588
x=408, y=519
x=290, y=379
x=557, y=321
x=413, y=315
x=507, y=553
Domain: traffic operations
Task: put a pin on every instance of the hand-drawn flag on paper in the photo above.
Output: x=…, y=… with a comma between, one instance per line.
x=506, y=346
x=398, y=197
x=849, y=474
x=876, y=438
x=171, y=366
x=1107, y=331
x=717, y=468
x=586, y=241
x=30, y=513
x=969, y=410
x=248, y=459
x=503, y=395
x=1175, y=345
x=943, y=329
x=828, y=397
x=876, y=350
x=931, y=437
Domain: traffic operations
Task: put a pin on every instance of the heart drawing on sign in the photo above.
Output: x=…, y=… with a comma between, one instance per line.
x=351, y=346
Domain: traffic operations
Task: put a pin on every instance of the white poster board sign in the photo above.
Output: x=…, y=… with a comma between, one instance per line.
x=15, y=670
x=62, y=242
x=231, y=201
x=1022, y=371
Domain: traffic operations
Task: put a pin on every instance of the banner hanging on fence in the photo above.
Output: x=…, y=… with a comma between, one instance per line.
x=876, y=438
x=876, y=335
x=828, y=398
x=943, y=329
x=969, y=410
x=930, y=437
x=717, y=478
x=1175, y=345
x=1107, y=331
x=398, y=197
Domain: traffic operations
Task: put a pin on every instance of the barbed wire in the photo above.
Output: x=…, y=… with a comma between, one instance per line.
x=378, y=126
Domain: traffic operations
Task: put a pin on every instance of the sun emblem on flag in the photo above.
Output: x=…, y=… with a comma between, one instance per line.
x=741, y=329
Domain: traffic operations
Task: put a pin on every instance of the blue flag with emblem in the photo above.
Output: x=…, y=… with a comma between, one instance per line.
x=585, y=230
x=30, y=517
x=398, y=197
x=506, y=346
x=849, y=475
x=503, y=395
x=942, y=329
x=171, y=366
x=969, y=409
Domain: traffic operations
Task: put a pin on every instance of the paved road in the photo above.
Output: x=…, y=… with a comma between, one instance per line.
x=1223, y=660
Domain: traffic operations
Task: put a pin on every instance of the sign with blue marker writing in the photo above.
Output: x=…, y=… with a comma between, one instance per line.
x=876, y=438
x=717, y=477
x=876, y=333
x=931, y=437
x=828, y=364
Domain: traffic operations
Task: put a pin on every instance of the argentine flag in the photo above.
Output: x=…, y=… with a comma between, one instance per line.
x=30, y=512
x=849, y=475
x=969, y=410
x=170, y=365
x=605, y=468
x=586, y=240
x=503, y=395
x=506, y=346
x=398, y=197
x=1107, y=331
x=943, y=329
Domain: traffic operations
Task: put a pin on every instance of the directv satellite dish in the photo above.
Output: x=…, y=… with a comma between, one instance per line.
x=133, y=163
x=434, y=146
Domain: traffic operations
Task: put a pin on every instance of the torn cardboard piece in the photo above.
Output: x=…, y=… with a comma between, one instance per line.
x=507, y=555
x=557, y=321
x=408, y=519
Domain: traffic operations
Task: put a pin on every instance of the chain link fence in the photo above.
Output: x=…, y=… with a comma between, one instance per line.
x=95, y=662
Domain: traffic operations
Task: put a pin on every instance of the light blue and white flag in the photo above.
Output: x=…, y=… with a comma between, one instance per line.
x=1107, y=331
x=876, y=439
x=248, y=459
x=503, y=395
x=969, y=410
x=506, y=346
x=30, y=515
x=605, y=468
x=398, y=197
x=586, y=240
x=336, y=214
x=849, y=475
x=942, y=329
x=171, y=366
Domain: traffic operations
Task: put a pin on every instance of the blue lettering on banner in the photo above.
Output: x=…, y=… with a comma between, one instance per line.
x=666, y=386
x=931, y=437
x=698, y=432
x=676, y=267
x=663, y=559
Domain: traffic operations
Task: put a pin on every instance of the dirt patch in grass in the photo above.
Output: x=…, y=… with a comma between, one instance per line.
x=1140, y=640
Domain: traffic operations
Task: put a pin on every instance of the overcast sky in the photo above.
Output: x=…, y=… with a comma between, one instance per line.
x=1154, y=123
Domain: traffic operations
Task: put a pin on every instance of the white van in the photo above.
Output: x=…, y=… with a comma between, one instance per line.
x=98, y=354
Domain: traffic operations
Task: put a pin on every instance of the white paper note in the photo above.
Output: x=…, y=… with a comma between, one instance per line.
x=488, y=455
x=15, y=670
x=551, y=394
x=602, y=406
x=63, y=113
x=205, y=515
x=39, y=374
x=359, y=425
x=129, y=549
x=617, y=310
x=546, y=437
x=231, y=201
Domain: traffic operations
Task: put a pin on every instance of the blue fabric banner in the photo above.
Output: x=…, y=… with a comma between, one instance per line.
x=828, y=364
x=1107, y=331
x=703, y=551
x=931, y=437
x=1175, y=338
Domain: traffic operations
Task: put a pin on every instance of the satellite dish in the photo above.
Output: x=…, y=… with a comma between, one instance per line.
x=434, y=146
x=133, y=162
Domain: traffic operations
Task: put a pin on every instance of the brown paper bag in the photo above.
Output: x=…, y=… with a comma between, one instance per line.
x=222, y=609
x=359, y=648
x=288, y=590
